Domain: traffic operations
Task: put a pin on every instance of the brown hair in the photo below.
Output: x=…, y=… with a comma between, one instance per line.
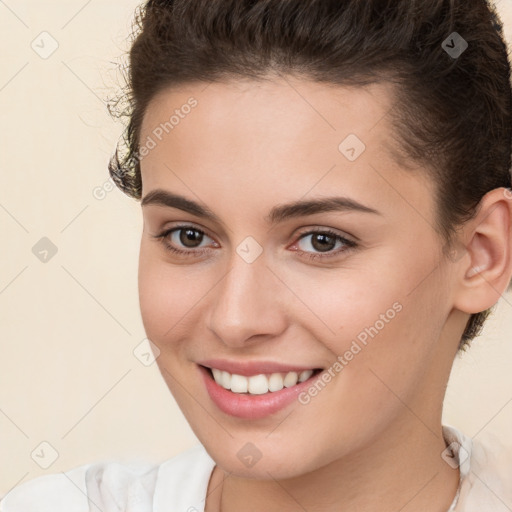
x=454, y=111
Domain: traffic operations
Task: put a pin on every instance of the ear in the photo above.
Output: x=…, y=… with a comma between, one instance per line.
x=486, y=270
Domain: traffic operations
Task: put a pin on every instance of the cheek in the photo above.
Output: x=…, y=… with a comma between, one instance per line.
x=170, y=295
x=163, y=296
x=345, y=305
x=166, y=300
x=377, y=319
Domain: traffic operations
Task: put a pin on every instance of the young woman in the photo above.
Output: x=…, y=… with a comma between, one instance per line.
x=325, y=187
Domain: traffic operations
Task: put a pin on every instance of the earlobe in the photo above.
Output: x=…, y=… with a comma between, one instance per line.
x=489, y=248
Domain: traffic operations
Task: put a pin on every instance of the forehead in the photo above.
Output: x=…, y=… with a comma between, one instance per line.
x=268, y=104
x=279, y=139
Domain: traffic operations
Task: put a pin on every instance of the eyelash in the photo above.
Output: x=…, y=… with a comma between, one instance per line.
x=349, y=244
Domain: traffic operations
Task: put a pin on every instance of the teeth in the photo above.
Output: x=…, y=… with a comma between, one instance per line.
x=275, y=382
x=290, y=379
x=225, y=380
x=305, y=375
x=239, y=384
x=259, y=384
x=216, y=375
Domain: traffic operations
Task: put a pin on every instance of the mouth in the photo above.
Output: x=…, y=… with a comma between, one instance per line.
x=253, y=390
x=262, y=383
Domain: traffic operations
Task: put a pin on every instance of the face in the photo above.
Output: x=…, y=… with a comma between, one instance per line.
x=297, y=243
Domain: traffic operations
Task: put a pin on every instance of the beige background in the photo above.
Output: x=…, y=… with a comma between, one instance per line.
x=69, y=326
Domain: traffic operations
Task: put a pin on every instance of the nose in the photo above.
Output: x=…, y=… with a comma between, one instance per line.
x=245, y=304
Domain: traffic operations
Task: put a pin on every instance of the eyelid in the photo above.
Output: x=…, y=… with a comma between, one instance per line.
x=184, y=225
x=324, y=229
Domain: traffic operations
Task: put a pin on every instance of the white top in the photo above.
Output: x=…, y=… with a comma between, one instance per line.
x=180, y=483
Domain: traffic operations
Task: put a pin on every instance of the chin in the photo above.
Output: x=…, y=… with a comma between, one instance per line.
x=261, y=460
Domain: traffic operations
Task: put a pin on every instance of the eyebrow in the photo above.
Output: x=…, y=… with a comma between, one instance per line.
x=277, y=214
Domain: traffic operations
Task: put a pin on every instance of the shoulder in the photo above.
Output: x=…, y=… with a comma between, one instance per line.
x=486, y=472
x=491, y=470
x=54, y=492
x=107, y=485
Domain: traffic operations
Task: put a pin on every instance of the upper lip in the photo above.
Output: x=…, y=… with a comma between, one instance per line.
x=249, y=368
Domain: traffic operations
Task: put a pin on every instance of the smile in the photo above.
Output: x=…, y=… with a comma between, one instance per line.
x=256, y=395
x=261, y=383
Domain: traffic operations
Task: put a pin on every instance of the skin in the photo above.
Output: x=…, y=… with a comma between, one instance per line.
x=371, y=439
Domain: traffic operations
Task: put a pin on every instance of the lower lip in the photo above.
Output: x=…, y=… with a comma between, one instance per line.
x=252, y=406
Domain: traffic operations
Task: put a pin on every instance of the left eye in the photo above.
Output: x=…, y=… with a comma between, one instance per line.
x=319, y=242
